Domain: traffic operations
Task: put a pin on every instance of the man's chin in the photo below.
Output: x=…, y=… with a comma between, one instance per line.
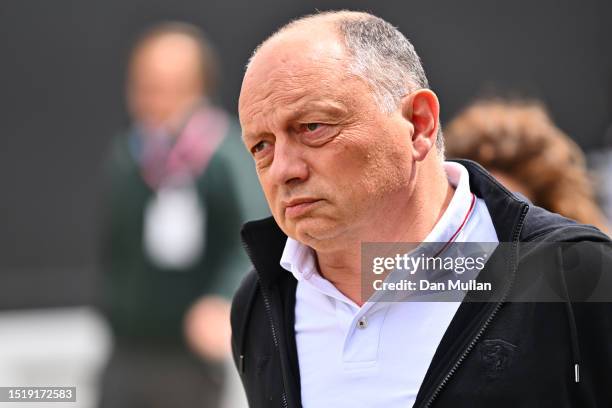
x=315, y=232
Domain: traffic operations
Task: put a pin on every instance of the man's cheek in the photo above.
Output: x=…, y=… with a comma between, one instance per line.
x=277, y=211
x=270, y=198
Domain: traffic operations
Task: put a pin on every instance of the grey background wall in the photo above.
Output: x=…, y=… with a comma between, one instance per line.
x=61, y=98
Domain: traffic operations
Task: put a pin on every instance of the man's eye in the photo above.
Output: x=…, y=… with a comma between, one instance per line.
x=310, y=127
x=258, y=147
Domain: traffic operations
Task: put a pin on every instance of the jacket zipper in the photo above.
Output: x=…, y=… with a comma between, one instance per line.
x=271, y=320
x=484, y=326
x=463, y=356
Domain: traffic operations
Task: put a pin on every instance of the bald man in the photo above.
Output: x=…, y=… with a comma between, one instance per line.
x=338, y=116
x=181, y=184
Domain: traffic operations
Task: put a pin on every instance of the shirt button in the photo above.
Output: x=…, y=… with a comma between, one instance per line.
x=362, y=323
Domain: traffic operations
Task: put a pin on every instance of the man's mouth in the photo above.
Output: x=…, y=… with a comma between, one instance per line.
x=299, y=206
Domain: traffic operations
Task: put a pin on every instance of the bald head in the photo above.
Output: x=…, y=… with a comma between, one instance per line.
x=321, y=25
x=296, y=56
x=375, y=51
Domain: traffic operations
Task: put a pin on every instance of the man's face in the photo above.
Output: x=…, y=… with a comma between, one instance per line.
x=164, y=81
x=330, y=162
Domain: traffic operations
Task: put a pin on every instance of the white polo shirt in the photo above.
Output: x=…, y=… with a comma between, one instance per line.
x=382, y=361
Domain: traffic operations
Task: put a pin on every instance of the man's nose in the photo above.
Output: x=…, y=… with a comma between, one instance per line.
x=289, y=166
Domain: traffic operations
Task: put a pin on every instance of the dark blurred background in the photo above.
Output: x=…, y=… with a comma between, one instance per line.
x=61, y=99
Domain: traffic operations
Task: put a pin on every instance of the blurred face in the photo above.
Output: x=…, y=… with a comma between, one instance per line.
x=330, y=163
x=164, y=81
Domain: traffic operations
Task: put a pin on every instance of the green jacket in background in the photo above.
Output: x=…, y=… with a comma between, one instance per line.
x=145, y=301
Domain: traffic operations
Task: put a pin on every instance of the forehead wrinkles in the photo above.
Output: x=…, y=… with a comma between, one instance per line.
x=285, y=87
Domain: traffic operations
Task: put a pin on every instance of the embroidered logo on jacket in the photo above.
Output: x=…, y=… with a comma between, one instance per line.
x=496, y=355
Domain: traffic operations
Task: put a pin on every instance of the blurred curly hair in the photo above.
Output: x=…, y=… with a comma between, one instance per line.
x=518, y=138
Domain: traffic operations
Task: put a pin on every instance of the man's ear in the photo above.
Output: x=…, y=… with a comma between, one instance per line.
x=422, y=109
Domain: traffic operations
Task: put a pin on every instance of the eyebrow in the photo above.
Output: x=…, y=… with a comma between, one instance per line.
x=332, y=108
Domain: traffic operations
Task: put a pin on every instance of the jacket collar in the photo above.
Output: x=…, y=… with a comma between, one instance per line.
x=505, y=207
x=264, y=241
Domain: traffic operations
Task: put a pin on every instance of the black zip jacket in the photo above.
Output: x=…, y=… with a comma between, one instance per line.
x=493, y=354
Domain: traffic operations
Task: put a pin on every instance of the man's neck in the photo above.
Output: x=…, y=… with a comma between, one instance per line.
x=409, y=220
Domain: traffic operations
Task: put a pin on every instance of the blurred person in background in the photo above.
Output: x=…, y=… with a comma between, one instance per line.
x=181, y=185
x=600, y=162
x=517, y=142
